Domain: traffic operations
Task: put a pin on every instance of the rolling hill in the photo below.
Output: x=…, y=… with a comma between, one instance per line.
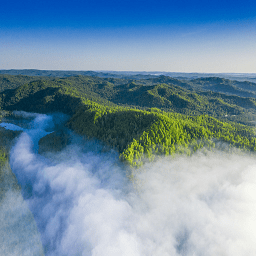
x=138, y=119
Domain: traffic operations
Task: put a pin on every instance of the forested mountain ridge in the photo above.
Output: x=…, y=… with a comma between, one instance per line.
x=244, y=89
x=137, y=133
x=12, y=82
x=140, y=119
x=146, y=94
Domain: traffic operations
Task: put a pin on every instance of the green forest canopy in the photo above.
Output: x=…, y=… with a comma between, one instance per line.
x=143, y=118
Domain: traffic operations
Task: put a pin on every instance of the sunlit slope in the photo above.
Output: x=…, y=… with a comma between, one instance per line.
x=138, y=134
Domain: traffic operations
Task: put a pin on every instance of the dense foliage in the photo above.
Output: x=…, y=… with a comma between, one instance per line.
x=142, y=118
x=211, y=96
x=140, y=135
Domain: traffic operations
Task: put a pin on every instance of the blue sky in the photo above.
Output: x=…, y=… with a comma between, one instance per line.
x=175, y=36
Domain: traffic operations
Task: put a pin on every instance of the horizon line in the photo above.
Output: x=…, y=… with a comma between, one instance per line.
x=133, y=71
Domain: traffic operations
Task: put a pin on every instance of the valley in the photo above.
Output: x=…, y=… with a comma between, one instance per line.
x=110, y=164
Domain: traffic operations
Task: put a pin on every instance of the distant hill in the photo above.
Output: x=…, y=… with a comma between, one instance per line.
x=14, y=81
x=216, y=84
x=163, y=92
x=137, y=75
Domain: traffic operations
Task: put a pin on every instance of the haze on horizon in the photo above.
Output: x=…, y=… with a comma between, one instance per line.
x=172, y=36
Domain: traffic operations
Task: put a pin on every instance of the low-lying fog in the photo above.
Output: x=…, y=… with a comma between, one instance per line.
x=84, y=204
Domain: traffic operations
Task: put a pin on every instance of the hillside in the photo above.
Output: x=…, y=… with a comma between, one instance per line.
x=14, y=81
x=216, y=84
x=139, y=121
x=165, y=93
x=7, y=179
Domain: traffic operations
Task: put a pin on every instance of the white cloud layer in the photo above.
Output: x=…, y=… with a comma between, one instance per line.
x=84, y=204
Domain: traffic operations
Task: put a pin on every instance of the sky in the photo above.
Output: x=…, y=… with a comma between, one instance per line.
x=173, y=36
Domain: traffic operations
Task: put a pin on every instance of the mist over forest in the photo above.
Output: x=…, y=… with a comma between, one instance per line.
x=127, y=163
